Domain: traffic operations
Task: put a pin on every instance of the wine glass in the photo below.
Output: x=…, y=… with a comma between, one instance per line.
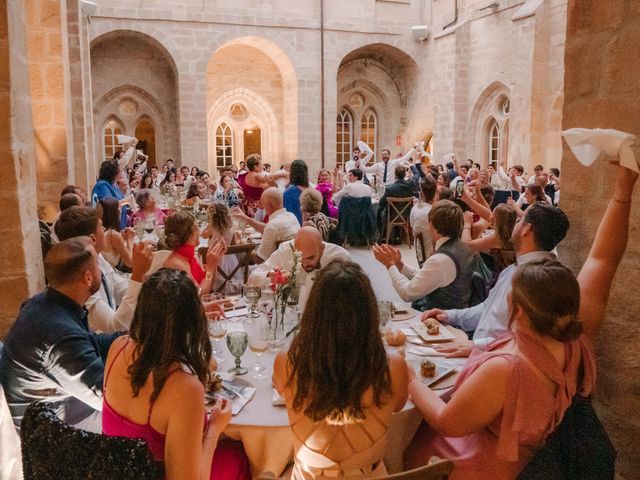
x=384, y=308
x=138, y=226
x=251, y=295
x=217, y=330
x=258, y=332
x=237, y=343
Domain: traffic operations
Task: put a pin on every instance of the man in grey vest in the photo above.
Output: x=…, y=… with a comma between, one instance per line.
x=444, y=281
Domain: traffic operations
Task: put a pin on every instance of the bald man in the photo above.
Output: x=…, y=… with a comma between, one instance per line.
x=282, y=225
x=315, y=254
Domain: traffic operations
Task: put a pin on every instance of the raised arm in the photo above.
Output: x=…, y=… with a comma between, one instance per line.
x=481, y=210
x=596, y=276
x=364, y=147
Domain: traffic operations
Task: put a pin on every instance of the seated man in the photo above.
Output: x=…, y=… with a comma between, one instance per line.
x=314, y=254
x=354, y=188
x=445, y=278
x=534, y=237
x=111, y=307
x=282, y=225
x=49, y=353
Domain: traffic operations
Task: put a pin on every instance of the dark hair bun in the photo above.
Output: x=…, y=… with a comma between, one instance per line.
x=173, y=241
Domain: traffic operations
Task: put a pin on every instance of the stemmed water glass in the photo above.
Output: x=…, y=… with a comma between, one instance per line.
x=251, y=295
x=258, y=332
x=217, y=331
x=237, y=343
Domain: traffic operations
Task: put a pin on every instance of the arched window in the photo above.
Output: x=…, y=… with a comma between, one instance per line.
x=493, y=143
x=224, y=145
x=344, y=137
x=111, y=130
x=369, y=129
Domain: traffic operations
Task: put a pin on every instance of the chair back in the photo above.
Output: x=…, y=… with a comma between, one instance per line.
x=398, y=211
x=421, y=254
x=356, y=221
x=438, y=470
x=53, y=449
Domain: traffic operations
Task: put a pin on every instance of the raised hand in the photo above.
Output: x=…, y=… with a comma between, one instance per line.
x=141, y=259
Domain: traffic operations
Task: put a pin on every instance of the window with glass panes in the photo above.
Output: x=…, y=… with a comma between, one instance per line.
x=344, y=137
x=369, y=130
x=494, y=143
x=111, y=131
x=224, y=145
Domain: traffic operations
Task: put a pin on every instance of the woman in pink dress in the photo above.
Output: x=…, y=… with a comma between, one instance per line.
x=155, y=384
x=254, y=182
x=327, y=189
x=510, y=397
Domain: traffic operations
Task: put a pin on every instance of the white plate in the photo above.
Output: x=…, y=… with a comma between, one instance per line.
x=441, y=372
x=444, y=336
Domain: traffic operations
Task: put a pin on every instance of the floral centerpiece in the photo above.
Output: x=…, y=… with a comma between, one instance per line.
x=284, y=288
x=173, y=196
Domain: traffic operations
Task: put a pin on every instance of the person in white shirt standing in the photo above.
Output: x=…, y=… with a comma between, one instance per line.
x=445, y=278
x=314, y=255
x=354, y=188
x=384, y=170
x=282, y=225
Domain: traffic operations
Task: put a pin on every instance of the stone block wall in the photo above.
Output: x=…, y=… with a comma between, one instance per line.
x=602, y=90
x=20, y=257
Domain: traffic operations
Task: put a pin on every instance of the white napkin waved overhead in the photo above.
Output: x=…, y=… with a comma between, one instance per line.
x=125, y=139
x=587, y=145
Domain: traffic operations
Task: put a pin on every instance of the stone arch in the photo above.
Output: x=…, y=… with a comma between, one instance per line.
x=149, y=79
x=281, y=100
x=260, y=114
x=486, y=109
x=386, y=76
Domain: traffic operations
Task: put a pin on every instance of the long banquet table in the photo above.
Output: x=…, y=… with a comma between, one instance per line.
x=264, y=428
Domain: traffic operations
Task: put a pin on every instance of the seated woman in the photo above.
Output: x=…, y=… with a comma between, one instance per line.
x=148, y=208
x=310, y=205
x=168, y=183
x=533, y=193
x=155, y=380
x=327, y=189
x=147, y=182
x=198, y=190
x=340, y=404
x=118, y=246
x=182, y=237
x=227, y=192
x=299, y=181
x=509, y=398
x=220, y=229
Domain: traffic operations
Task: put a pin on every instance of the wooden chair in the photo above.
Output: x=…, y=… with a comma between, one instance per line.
x=421, y=254
x=437, y=470
x=242, y=251
x=398, y=210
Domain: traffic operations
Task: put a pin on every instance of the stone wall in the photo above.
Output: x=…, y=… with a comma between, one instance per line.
x=602, y=90
x=20, y=257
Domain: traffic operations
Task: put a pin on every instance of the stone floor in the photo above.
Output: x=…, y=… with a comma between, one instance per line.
x=378, y=273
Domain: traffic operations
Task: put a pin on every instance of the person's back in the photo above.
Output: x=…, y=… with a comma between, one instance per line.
x=340, y=419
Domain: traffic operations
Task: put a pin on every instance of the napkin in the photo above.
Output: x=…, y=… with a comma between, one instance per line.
x=277, y=400
x=588, y=144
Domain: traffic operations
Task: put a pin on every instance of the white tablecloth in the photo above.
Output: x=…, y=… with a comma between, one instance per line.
x=264, y=428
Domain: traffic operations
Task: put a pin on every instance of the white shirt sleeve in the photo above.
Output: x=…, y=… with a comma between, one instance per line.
x=363, y=146
x=437, y=272
x=10, y=458
x=268, y=242
x=102, y=318
x=281, y=259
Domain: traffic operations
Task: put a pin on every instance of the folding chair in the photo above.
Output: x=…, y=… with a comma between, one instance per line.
x=398, y=210
x=242, y=251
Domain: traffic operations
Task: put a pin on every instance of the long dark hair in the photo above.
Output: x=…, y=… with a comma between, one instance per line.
x=110, y=213
x=299, y=173
x=108, y=171
x=169, y=326
x=336, y=358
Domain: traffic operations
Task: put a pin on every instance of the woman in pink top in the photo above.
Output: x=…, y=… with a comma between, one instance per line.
x=509, y=398
x=254, y=182
x=327, y=189
x=155, y=382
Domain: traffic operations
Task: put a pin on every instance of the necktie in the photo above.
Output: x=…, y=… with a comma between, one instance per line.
x=106, y=291
x=384, y=175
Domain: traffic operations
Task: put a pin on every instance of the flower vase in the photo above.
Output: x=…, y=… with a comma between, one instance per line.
x=277, y=333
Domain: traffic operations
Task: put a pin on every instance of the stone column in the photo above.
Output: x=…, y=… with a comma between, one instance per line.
x=602, y=90
x=20, y=256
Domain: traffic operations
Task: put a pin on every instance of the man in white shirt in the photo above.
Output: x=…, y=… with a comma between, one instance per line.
x=282, y=225
x=354, y=188
x=462, y=175
x=419, y=217
x=541, y=229
x=314, y=255
x=111, y=308
x=537, y=170
x=445, y=278
x=384, y=170
x=513, y=180
x=361, y=156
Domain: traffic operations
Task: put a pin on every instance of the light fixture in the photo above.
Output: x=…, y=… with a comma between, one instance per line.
x=249, y=132
x=420, y=32
x=89, y=8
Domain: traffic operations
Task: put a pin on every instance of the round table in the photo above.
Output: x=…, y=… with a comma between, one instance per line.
x=264, y=428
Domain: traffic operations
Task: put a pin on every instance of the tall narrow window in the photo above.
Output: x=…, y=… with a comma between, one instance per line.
x=344, y=137
x=494, y=143
x=369, y=129
x=224, y=145
x=111, y=130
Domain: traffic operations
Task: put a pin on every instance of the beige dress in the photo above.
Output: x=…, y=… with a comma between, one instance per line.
x=324, y=451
